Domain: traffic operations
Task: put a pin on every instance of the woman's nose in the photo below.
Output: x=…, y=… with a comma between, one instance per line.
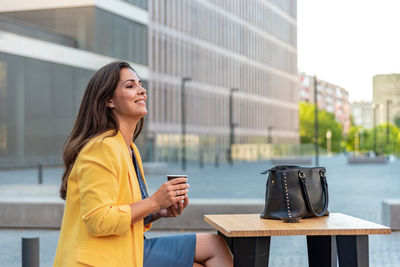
x=142, y=90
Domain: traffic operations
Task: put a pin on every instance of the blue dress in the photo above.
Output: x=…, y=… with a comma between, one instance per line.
x=165, y=251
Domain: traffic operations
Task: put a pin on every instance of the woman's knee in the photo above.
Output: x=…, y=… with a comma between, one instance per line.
x=213, y=242
x=212, y=249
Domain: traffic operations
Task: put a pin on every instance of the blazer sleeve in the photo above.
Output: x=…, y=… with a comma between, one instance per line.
x=99, y=189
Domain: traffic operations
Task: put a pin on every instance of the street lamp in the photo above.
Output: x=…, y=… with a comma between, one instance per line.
x=316, y=120
x=231, y=124
x=183, y=121
x=375, y=107
x=388, y=102
x=328, y=142
x=357, y=141
x=270, y=134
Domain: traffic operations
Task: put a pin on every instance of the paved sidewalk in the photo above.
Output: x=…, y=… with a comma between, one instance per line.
x=357, y=190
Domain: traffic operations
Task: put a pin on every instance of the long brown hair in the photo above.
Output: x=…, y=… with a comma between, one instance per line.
x=94, y=117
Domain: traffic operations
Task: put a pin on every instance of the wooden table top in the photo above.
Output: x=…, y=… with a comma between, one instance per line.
x=251, y=225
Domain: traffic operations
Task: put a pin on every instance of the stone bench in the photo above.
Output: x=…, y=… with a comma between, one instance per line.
x=46, y=210
x=365, y=160
x=31, y=213
x=155, y=168
x=292, y=161
x=391, y=213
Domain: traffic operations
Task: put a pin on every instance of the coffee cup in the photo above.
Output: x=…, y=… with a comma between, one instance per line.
x=174, y=176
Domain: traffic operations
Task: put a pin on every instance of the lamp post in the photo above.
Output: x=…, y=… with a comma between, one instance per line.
x=231, y=124
x=388, y=102
x=375, y=107
x=183, y=121
x=270, y=134
x=356, y=142
x=328, y=142
x=316, y=120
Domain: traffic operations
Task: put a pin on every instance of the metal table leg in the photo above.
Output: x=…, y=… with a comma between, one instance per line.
x=321, y=251
x=249, y=251
x=353, y=250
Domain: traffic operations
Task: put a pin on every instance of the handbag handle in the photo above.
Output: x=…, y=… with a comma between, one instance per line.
x=324, y=183
x=280, y=168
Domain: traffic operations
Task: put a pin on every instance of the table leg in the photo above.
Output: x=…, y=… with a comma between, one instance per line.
x=353, y=250
x=249, y=251
x=321, y=251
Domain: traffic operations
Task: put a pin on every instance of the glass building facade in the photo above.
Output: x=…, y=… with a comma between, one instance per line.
x=222, y=44
x=38, y=110
x=47, y=57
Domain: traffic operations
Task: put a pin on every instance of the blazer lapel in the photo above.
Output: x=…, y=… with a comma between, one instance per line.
x=139, y=160
x=131, y=170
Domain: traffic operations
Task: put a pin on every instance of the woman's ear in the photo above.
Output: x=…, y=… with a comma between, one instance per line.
x=110, y=103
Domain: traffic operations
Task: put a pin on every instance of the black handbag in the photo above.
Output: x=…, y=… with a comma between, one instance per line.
x=295, y=192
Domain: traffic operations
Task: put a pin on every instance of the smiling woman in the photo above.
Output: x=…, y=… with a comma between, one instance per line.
x=107, y=207
x=129, y=98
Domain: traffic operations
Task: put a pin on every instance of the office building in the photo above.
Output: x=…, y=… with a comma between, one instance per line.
x=49, y=50
x=331, y=98
x=386, y=97
x=362, y=114
x=223, y=45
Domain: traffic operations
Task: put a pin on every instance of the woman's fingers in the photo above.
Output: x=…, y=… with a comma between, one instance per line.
x=171, y=192
x=180, y=187
x=178, y=181
x=172, y=211
x=186, y=202
x=181, y=192
x=176, y=187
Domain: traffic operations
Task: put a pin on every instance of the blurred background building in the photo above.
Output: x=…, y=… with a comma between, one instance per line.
x=331, y=98
x=48, y=52
x=223, y=45
x=244, y=52
x=386, y=97
x=362, y=114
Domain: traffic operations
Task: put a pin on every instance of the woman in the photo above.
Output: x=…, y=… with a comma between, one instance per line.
x=107, y=209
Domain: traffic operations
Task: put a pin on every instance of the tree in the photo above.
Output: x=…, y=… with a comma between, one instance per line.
x=366, y=139
x=355, y=133
x=384, y=147
x=397, y=121
x=352, y=122
x=326, y=121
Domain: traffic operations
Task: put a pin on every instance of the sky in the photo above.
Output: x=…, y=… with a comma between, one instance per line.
x=347, y=42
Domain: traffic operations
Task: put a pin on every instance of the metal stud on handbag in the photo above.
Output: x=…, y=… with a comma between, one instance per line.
x=295, y=192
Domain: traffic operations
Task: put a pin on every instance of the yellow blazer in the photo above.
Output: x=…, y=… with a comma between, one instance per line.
x=96, y=228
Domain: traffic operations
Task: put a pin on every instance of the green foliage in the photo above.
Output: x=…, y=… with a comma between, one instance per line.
x=397, y=121
x=366, y=139
x=354, y=135
x=352, y=123
x=326, y=121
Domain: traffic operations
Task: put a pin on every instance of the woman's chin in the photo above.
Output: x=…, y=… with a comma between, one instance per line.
x=143, y=113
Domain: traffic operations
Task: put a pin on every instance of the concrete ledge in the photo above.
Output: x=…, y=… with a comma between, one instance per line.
x=30, y=206
x=361, y=160
x=31, y=214
x=193, y=216
x=47, y=212
x=391, y=213
x=155, y=167
x=292, y=161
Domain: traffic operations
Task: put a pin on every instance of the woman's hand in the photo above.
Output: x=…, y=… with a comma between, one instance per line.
x=171, y=192
x=175, y=209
